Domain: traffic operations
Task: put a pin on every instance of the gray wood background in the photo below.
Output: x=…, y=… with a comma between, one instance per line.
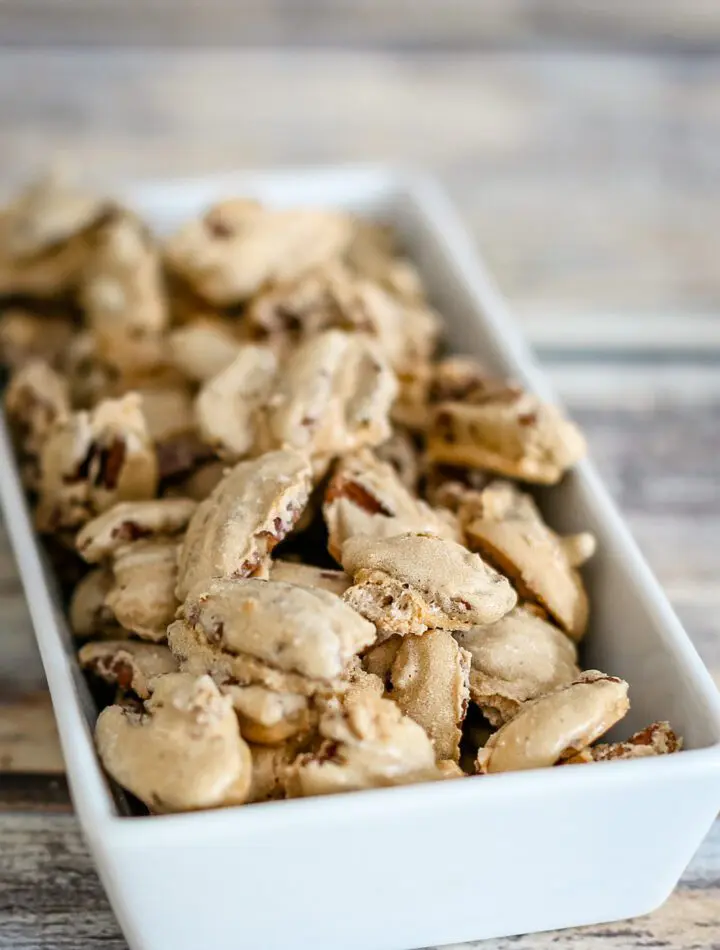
x=582, y=144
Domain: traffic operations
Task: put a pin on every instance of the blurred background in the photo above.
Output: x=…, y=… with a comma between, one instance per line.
x=580, y=140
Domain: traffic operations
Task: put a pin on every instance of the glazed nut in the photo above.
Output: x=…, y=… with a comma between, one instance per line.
x=229, y=407
x=501, y=428
x=556, y=726
x=130, y=520
x=333, y=396
x=505, y=525
x=656, y=739
x=267, y=717
x=91, y=460
x=415, y=582
x=429, y=681
x=183, y=752
x=366, y=497
x=297, y=629
x=251, y=510
x=307, y=575
x=239, y=246
x=518, y=658
x=368, y=743
x=128, y=664
x=142, y=594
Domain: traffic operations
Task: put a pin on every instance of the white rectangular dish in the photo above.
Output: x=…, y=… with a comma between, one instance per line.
x=426, y=864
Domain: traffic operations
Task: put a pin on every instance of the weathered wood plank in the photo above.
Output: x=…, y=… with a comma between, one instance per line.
x=50, y=896
x=589, y=181
x=445, y=24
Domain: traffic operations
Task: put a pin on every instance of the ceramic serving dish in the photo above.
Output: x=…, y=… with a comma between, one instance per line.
x=426, y=864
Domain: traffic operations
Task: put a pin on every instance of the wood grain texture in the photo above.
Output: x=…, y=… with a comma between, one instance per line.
x=665, y=24
x=588, y=180
x=51, y=899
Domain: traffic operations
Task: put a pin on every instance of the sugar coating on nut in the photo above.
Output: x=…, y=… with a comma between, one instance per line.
x=488, y=424
x=229, y=407
x=368, y=743
x=253, y=508
x=91, y=460
x=142, y=595
x=44, y=238
x=238, y=246
x=429, y=682
x=366, y=497
x=333, y=396
x=510, y=532
x=518, y=658
x=415, y=582
x=556, y=726
x=183, y=752
x=123, y=297
x=292, y=572
x=297, y=629
x=130, y=520
x=129, y=664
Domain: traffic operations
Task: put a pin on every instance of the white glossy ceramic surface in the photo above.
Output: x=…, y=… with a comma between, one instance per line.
x=427, y=864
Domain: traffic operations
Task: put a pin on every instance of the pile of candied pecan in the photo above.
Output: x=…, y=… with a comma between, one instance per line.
x=315, y=562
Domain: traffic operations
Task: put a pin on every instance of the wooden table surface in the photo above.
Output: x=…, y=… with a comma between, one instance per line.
x=591, y=184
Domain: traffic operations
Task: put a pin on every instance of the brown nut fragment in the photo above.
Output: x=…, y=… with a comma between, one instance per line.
x=44, y=238
x=252, y=509
x=416, y=582
x=35, y=399
x=129, y=664
x=203, y=348
x=229, y=407
x=88, y=613
x=142, y=596
x=456, y=489
x=482, y=423
x=91, y=460
x=123, y=297
x=238, y=246
x=656, y=739
x=292, y=572
x=556, y=726
x=26, y=336
x=332, y=397
x=183, y=752
x=297, y=629
x=130, y=520
x=507, y=529
x=366, y=497
x=429, y=682
x=518, y=658
x=267, y=717
x=368, y=744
